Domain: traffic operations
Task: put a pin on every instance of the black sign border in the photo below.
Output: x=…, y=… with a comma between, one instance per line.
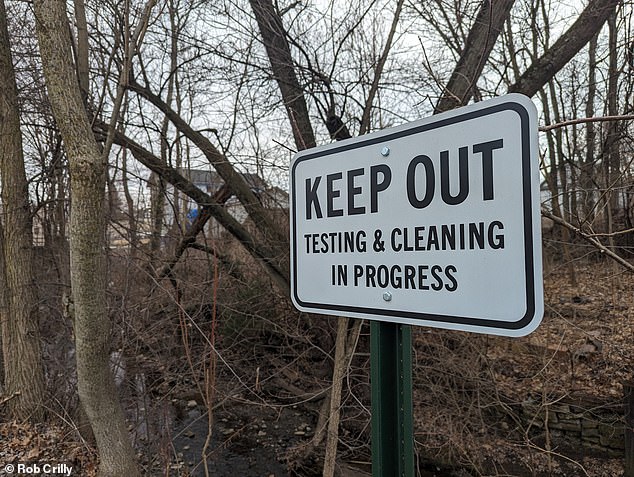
x=525, y=128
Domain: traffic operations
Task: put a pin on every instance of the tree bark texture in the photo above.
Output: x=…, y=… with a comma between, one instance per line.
x=96, y=387
x=20, y=327
x=4, y=307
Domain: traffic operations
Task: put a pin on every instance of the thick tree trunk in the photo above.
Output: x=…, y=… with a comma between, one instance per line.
x=87, y=231
x=20, y=334
x=482, y=37
x=567, y=45
x=279, y=53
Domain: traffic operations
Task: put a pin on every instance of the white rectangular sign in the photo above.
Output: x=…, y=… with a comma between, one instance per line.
x=433, y=223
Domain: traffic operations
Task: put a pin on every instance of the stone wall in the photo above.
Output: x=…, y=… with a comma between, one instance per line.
x=587, y=422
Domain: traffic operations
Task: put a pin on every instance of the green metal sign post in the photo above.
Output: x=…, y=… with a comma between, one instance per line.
x=391, y=382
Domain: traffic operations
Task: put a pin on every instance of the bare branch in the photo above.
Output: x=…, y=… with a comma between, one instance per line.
x=131, y=48
x=588, y=238
x=596, y=119
x=378, y=71
x=235, y=228
x=220, y=162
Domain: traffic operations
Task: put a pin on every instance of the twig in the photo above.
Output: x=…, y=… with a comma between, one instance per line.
x=613, y=234
x=8, y=398
x=290, y=149
x=560, y=456
x=598, y=119
x=588, y=238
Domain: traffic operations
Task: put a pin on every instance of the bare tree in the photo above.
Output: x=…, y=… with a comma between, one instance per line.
x=588, y=165
x=611, y=146
x=96, y=387
x=24, y=377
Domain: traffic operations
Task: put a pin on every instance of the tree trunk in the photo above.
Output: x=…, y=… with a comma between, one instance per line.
x=4, y=306
x=567, y=45
x=587, y=165
x=612, y=160
x=82, y=48
x=482, y=37
x=378, y=72
x=96, y=387
x=20, y=330
x=279, y=53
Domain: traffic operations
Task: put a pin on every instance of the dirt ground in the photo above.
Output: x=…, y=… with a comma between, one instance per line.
x=584, y=347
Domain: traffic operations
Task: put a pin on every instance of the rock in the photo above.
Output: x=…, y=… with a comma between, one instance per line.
x=571, y=425
x=585, y=351
x=560, y=408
